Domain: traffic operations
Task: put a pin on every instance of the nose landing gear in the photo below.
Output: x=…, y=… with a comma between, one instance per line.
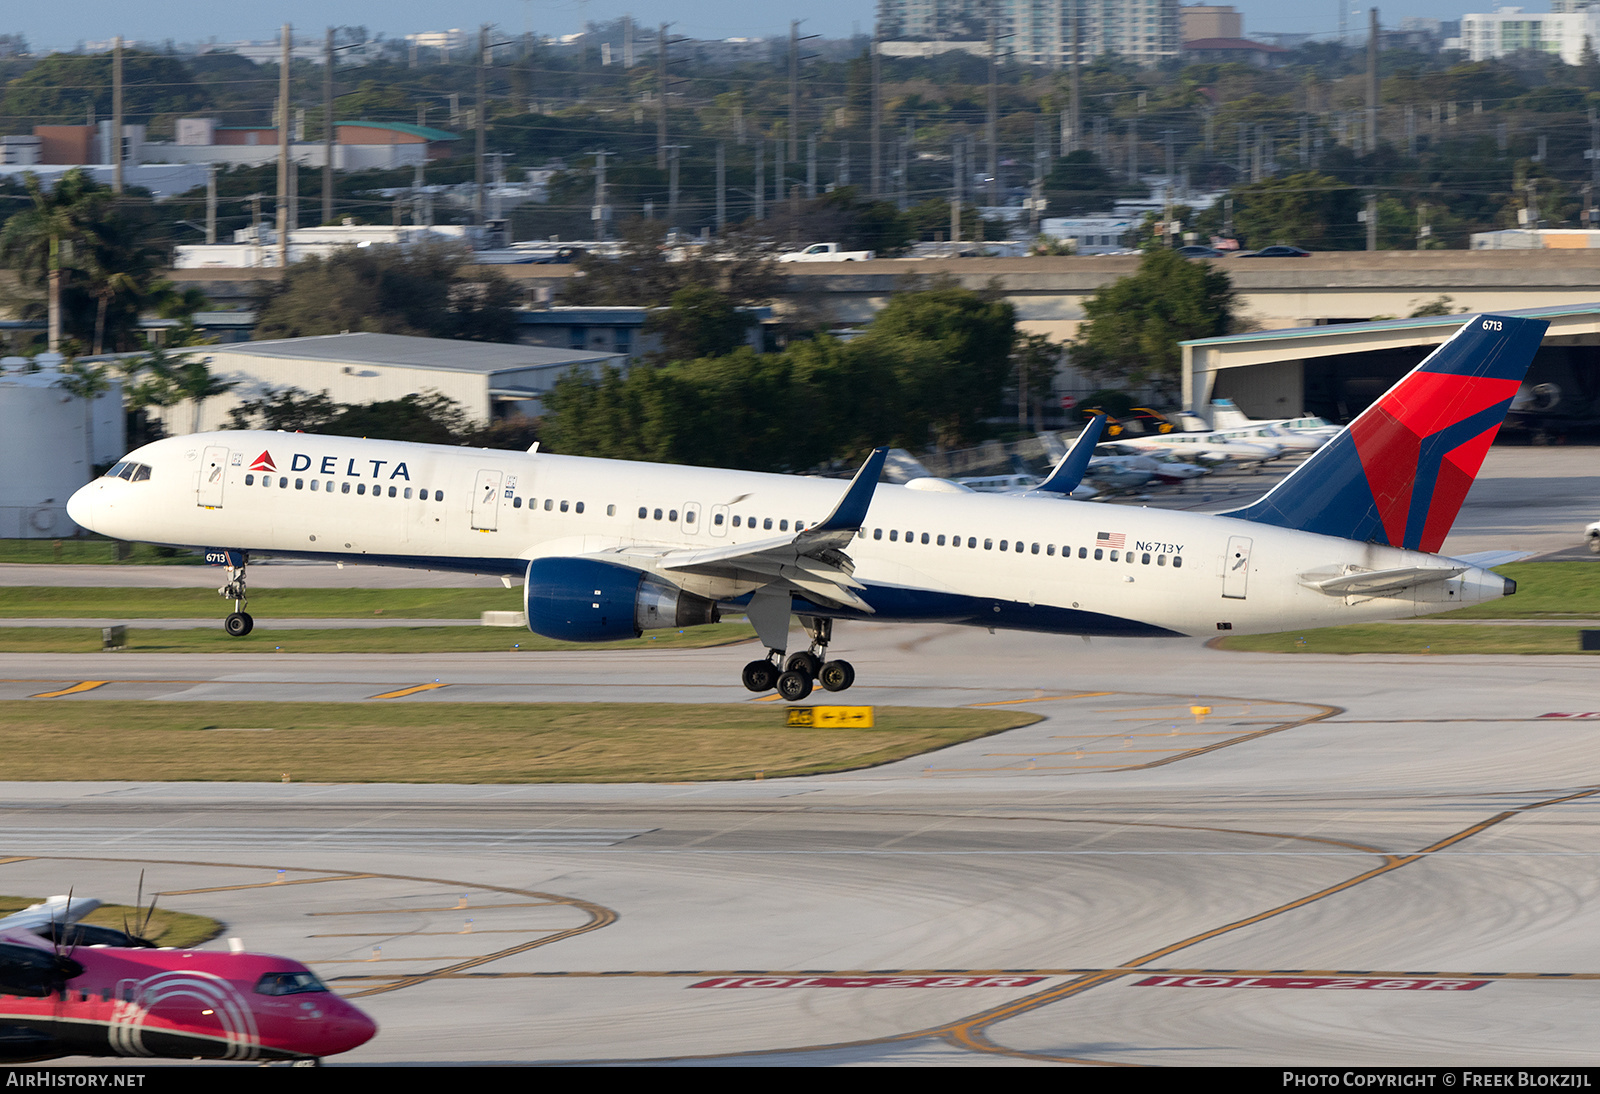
x=239, y=623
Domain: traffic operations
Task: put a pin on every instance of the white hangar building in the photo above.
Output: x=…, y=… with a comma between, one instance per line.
x=490, y=380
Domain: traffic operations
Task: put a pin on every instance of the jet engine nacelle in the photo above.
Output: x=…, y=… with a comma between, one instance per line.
x=585, y=600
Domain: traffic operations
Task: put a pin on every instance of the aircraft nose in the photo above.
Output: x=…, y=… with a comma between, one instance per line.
x=348, y=1027
x=80, y=507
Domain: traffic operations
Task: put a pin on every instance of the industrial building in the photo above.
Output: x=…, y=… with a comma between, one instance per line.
x=489, y=380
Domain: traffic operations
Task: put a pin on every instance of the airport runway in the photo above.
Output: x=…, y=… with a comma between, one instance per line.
x=1363, y=860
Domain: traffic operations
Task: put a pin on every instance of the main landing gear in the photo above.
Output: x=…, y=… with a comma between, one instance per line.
x=794, y=677
x=239, y=623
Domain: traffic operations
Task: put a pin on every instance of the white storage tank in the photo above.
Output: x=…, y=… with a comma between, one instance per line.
x=49, y=446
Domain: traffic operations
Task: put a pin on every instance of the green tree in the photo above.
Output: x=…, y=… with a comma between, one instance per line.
x=90, y=255
x=1307, y=209
x=65, y=88
x=949, y=350
x=1135, y=323
x=1078, y=184
x=699, y=322
x=425, y=291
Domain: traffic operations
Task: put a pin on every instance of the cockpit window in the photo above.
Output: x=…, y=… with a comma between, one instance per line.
x=127, y=469
x=288, y=983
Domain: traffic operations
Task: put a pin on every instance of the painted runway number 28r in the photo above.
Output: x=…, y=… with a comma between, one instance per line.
x=1369, y=983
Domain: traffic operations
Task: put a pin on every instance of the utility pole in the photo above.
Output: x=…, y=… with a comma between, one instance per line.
x=601, y=211
x=1424, y=230
x=811, y=166
x=1593, y=156
x=794, y=89
x=211, y=203
x=877, y=114
x=672, y=187
x=661, y=96
x=1075, y=107
x=1371, y=217
x=327, y=130
x=991, y=123
x=283, y=153
x=722, y=188
x=957, y=193
x=779, y=183
x=116, y=115
x=761, y=179
x=481, y=123
x=1372, y=80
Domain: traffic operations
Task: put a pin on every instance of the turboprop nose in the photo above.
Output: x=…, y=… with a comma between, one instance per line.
x=80, y=507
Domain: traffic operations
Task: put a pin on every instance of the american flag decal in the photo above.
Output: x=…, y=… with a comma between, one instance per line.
x=1109, y=539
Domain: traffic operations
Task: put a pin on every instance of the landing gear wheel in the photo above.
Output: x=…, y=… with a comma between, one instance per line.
x=1594, y=544
x=794, y=686
x=837, y=675
x=808, y=663
x=239, y=624
x=759, y=676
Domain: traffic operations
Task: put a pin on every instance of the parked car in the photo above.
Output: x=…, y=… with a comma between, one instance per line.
x=1277, y=250
x=1194, y=250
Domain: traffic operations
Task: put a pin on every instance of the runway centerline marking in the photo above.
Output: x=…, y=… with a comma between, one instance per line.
x=75, y=689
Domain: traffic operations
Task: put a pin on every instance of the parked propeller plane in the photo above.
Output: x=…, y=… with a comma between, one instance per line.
x=65, y=992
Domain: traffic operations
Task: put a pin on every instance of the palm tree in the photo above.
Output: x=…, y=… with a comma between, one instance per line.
x=75, y=238
x=37, y=240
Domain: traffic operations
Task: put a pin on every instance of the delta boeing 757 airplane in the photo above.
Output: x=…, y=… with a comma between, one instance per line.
x=609, y=549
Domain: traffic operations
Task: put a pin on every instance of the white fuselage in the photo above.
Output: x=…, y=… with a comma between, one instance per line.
x=982, y=559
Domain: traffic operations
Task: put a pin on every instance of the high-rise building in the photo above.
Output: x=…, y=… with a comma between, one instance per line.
x=1040, y=32
x=1563, y=31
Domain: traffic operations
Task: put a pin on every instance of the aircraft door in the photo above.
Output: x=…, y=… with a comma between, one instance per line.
x=719, y=520
x=213, y=472
x=691, y=517
x=486, y=502
x=1236, y=568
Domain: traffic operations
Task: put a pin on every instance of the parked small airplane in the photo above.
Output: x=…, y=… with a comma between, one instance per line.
x=69, y=989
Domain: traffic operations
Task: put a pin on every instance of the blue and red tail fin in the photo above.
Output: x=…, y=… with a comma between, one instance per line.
x=1399, y=473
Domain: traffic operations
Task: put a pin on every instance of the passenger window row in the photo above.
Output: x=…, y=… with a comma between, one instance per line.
x=344, y=487
x=1018, y=547
x=550, y=505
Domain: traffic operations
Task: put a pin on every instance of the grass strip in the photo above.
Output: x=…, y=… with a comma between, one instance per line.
x=67, y=602
x=95, y=551
x=1545, y=590
x=436, y=742
x=166, y=928
x=351, y=640
x=1423, y=639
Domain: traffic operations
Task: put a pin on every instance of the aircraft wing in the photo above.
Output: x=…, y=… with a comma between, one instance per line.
x=58, y=909
x=812, y=561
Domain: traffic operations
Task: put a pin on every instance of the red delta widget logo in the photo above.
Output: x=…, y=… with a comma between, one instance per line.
x=329, y=465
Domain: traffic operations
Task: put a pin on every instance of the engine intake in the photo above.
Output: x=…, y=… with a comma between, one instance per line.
x=585, y=600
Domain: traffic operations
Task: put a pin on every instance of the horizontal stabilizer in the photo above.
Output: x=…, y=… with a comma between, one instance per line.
x=1377, y=582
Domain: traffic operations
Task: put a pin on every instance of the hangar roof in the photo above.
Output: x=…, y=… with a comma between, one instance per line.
x=403, y=351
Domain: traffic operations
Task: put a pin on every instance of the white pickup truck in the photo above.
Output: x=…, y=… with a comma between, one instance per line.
x=825, y=252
